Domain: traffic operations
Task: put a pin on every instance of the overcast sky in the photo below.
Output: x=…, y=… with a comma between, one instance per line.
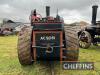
x=70, y=10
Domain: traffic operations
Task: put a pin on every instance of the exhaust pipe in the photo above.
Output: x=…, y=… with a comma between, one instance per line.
x=47, y=11
x=94, y=14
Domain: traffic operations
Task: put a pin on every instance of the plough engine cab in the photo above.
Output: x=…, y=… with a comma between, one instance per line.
x=47, y=39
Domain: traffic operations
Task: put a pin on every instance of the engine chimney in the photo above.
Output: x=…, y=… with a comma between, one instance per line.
x=47, y=11
x=94, y=14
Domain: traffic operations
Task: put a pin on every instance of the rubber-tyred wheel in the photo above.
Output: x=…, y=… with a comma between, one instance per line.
x=85, y=40
x=72, y=43
x=24, y=46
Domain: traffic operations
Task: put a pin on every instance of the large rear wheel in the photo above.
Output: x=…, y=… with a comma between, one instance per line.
x=85, y=40
x=24, y=46
x=72, y=43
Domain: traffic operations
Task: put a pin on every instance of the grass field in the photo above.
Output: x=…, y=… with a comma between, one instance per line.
x=9, y=64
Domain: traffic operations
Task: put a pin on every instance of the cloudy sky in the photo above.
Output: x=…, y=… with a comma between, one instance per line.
x=70, y=10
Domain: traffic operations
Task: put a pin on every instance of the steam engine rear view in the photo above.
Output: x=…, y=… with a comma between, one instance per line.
x=91, y=34
x=47, y=39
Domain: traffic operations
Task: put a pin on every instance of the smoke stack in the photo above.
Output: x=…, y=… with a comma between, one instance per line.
x=94, y=14
x=47, y=11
